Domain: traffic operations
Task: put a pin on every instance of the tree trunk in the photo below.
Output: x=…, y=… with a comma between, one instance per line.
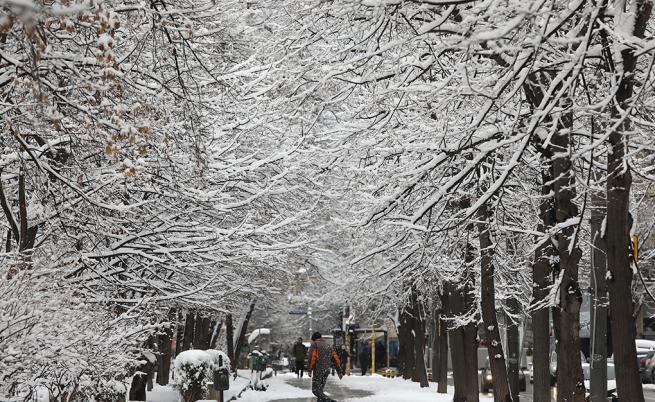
x=570, y=385
x=457, y=350
x=198, y=333
x=619, y=181
x=471, y=353
x=420, y=375
x=442, y=388
x=434, y=344
x=488, y=304
x=164, y=346
x=189, y=326
x=513, y=348
x=229, y=339
x=205, y=333
x=402, y=342
x=407, y=325
x=216, y=331
x=242, y=333
x=541, y=273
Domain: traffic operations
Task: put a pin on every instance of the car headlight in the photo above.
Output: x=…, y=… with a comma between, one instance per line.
x=488, y=377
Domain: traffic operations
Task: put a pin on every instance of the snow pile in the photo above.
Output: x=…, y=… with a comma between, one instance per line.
x=194, y=369
x=255, y=334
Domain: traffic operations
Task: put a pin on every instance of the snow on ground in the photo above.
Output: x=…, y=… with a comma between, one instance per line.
x=382, y=389
x=398, y=390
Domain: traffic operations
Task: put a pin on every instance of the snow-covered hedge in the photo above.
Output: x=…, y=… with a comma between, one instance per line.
x=194, y=369
x=55, y=343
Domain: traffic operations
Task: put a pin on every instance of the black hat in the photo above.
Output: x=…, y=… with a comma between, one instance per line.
x=316, y=335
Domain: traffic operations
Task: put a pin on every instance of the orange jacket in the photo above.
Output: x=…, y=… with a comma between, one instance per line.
x=321, y=356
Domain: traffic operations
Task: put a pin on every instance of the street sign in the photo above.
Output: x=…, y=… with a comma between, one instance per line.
x=298, y=312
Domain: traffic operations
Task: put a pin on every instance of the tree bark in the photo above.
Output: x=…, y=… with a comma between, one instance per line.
x=488, y=303
x=242, y=334
x=513, y=348
x=198, y=331
x=216, y=331
x=164, y=346
x=229, y=339
x=570, y=385
x=541, y=273
x=457, y=348
x=407, y=325
x=471, y=353
x=189, y=326
x=442, y=388
x=179, y=333
x=435, y=346
x=619, y=181
x=420, y=375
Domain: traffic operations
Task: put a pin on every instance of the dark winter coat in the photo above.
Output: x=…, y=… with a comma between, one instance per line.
x=299, y=352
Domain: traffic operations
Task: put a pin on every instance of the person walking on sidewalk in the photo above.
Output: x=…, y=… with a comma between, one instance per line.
x=299, y=354
x=322, y=356
x=364, y=359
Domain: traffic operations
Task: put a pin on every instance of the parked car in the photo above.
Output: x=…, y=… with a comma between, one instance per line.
x=611, y=381
x=486, y=379
x=647, y=367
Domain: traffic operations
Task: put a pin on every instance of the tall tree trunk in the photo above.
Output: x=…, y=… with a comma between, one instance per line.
x=541, y=273
x=242, y=332
x=179, y=332
x=570, y=385
x=513, y=348
x=442, y=388
x=216, y=331
x=488, y=303
x=619, y=181
x=198, y=333
x=434, y=344
x=205, y=333
x=189, y=326
x=420, y=375
x=457, y=348
x=471, y=357
x=402, y=342
x=229, y=340
x=407, y=325
x=471, y=342
x=164, y=346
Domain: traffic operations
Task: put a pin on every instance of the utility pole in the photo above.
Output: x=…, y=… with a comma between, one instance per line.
x=599, y=302
x=346, y=329
x=309, y=315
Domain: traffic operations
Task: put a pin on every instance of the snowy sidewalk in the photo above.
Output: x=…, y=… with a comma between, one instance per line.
x=287, y=388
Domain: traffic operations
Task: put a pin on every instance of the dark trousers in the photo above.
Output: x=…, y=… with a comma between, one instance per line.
x=300, y=368
x=318, y=383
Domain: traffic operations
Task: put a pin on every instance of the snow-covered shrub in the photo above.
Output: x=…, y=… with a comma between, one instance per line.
x=194, y=369
x=57, y=344
x=111, y=391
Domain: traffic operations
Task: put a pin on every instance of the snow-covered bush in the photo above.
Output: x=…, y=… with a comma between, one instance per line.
x=54, y=342
x=194, y=369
